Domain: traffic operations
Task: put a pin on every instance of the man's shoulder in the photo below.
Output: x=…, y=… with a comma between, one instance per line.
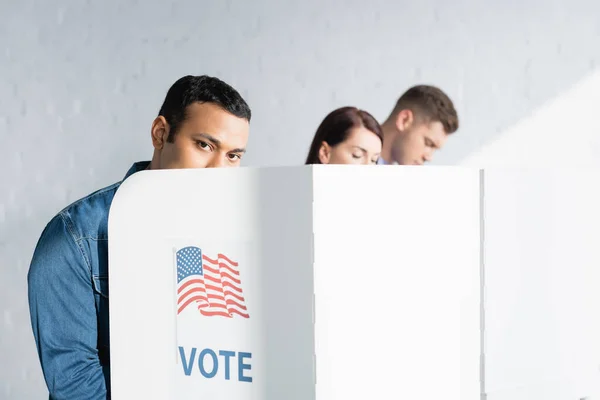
x=87, y=218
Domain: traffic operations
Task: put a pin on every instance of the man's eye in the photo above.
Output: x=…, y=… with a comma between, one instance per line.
x=234, y=156
x=202, y=144
x=357, y=156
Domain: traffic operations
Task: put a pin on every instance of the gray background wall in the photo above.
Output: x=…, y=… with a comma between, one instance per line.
x=81, y=81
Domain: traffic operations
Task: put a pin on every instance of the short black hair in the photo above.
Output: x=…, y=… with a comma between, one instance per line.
x=200, y=89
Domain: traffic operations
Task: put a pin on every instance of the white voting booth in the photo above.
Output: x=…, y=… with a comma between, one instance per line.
x=542, y=284
x=338, y=282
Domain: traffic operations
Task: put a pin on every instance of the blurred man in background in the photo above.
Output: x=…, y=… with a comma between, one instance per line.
x=420, y=123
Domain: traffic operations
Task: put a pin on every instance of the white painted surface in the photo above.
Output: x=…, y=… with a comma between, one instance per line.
x=562, y=132
x=542, y=270
x=397, y=283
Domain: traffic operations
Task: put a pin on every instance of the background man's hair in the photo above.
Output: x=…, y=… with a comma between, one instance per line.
x=200, y=89
x=429, y=104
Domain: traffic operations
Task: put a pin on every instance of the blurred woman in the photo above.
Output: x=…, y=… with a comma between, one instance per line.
x=346, y=136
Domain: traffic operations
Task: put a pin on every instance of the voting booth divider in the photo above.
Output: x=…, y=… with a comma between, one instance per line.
x=338, y=282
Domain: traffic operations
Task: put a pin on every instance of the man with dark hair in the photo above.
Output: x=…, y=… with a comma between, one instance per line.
x=418, y=125
x=203, y=123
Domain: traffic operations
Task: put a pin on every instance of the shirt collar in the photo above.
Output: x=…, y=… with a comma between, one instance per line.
x=137, y=167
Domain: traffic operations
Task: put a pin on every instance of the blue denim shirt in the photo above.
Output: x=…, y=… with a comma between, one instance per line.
x=68, y=298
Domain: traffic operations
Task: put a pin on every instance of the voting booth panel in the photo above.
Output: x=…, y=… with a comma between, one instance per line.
x=381, y=313
x=542, y=279
x=335, y=282
x=397, y=283
x=211, y=285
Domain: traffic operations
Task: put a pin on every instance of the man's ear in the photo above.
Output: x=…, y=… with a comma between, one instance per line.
x=324, y=153
x=404, y=120
x=159, y=132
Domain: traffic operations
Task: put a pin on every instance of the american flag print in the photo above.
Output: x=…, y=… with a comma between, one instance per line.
x=212, y=285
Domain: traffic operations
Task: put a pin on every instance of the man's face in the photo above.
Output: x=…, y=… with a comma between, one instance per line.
x=417, y=143
x=210, y=137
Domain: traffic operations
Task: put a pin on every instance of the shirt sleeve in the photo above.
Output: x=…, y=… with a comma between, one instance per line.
x=63, y=315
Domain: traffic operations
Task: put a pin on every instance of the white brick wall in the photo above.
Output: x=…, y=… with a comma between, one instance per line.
x=80, y=82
